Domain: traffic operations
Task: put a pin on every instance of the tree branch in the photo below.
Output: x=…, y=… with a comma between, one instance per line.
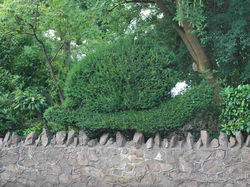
x=130, y=1
x=57, y=51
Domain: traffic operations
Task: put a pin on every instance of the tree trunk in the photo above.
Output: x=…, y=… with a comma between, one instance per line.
x=194, y=47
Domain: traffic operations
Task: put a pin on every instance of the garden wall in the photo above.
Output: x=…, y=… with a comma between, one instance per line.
x=71, y=161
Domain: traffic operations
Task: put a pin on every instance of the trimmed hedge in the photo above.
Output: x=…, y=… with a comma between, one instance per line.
x=127, y=74
x=167, y=117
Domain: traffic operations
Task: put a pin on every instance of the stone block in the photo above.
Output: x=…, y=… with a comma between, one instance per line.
x=232, y=142
x=104, y=138
x=30, y=139
x=92, y=143
x=165, y=143
x=138, y=139
x=120, y=139
x=60, y=137
x=15, y=138
x=214, y=143
x=248, y=141
x=204, y=138
x=173, y=141
x=46, y=137
x=239, y=138
x=83, y=138
x=190, y=141
x=157, y=140
x=70, y=138
x=150, y=143
x=223, y=140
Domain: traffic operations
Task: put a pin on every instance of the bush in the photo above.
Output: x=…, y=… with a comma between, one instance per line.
x=169, y=116
x=128, y=74
x=236, y=114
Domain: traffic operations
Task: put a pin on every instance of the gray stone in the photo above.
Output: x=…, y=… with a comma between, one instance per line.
x=15, y=138
x=159, y=157
x=181, y=144
x=1, y=142
x=75, y=141
x=38, y=141
x=239, y=138
x=204, y=138
x=248, y=141
x=173, y=141
x=46, y=137
x=165, y=143
x=120, y=139
x=30, y=139
x=60, y=137
x=138, y=139
x=104, y=138
x=150, y=143
x=185, y=166
x=53, y=140
x=7, y=138
x=232, y=141
x=83, y=138
x=223, y=139
x=190, y=140
x=157, y=140
x=92, y=143
x=198, y=144
x=214, y=143
x=110, y=141
x=71, y=136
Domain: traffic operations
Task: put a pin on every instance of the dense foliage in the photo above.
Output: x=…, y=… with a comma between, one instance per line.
x=128, y=74
x=236, y=113
x=119, y=83
x=167, y=117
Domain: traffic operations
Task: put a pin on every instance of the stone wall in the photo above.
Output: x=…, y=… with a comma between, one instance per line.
x=78, y=161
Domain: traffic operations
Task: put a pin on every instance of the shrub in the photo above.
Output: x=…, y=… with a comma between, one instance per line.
x=236, y=114
x=128, y=74
x=169, y=116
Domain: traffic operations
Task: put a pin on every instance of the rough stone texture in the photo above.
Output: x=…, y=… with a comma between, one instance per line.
x=76, y=141
x=15, y=138
x=70, y=139
x=198, y=144
x=120, y=139
x=60, y=137
x=150, y=143
x=45, y=138
x=7, y=139
x=1, y=142
x=113, y=166
x=232, y=142
x=138, y=139
x=214, y=143
x=190, y=140
x=223, y=139
x=239, y=138
x=157, y=140
x=248, y=141
x=110, y=142
x=92, y=143
x=83, y=138
x=104, y=138
x=30, y=139
x=165, y=143
x=204, y=138
x=173, y=141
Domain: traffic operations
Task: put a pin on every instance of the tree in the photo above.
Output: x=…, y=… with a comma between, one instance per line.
x=45, y=21
x=200, y=25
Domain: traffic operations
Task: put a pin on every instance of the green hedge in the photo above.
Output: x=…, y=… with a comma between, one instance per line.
x=167, y=117
x=127, y=74
x=236, y=114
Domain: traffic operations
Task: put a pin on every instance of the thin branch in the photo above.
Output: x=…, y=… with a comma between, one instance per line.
x=130, y=1
x=57, y=51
